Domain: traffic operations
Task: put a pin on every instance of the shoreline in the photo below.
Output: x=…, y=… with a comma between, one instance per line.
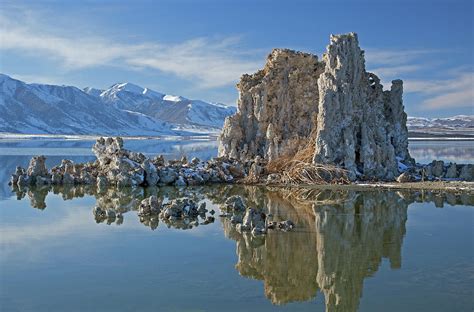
x=204, y=136
x=117, y=166
x=451, y=186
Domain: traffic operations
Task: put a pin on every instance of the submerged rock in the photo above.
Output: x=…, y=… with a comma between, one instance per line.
x=235, y=203
x=149, y=206
x=250, y=219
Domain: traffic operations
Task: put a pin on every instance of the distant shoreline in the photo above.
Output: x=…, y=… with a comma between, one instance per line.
x=212, y=136
x=87, y=137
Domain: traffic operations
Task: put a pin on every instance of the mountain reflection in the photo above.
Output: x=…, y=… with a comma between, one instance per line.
x=340, y=239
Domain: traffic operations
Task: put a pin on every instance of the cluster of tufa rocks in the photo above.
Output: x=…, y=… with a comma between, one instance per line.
x=438, y=170
x=249, y=219
x=335, y=103
x=117, y=166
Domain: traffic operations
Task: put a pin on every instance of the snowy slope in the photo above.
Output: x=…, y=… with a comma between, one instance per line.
x=456, y=126
x=122, y=109
x=455, y=122
x=178, y=110
x=49, y=109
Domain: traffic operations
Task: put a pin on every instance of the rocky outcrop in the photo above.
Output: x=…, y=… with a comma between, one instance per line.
x=438, y=170
x=117, y=166
x=295, y=100
x=360, y=127
x=276, y=107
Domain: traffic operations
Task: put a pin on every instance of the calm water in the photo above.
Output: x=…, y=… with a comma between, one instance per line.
x=365, y=250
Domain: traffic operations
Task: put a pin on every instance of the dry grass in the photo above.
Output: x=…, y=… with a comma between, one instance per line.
x=300, y=169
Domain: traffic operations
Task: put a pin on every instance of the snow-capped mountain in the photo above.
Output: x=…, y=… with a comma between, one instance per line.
x=123, y=109
x=175, y=109
x=455, y=122
x=38, y=109
x=456, y=126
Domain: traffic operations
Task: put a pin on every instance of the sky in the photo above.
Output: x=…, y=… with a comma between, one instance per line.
x=199, y=49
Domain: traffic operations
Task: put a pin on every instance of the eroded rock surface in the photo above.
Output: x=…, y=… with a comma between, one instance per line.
x=117, y=166
x=336, y=102
x=276, y=107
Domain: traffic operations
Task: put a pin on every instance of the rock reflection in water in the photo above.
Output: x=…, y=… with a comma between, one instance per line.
x=340, y=238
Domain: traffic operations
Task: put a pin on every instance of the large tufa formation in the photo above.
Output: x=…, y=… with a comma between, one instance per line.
x=335, y=103
x=276, y=107
x=359, y=126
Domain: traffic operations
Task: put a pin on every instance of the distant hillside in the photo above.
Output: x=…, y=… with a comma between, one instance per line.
x=123, y=109
x=456, y=126
x=171, y=108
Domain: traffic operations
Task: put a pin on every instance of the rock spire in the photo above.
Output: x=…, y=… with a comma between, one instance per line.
x=335, y=103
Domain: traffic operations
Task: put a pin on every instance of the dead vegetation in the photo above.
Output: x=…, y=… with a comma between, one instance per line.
x=300, y=169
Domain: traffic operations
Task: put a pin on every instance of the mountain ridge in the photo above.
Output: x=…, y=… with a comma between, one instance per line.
x=122, y=109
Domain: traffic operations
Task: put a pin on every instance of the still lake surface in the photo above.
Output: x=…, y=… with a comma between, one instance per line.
x=351, y=250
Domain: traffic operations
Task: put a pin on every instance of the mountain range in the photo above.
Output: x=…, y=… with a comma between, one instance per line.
x=456, y=126
x=128, y=109
x=122, y=109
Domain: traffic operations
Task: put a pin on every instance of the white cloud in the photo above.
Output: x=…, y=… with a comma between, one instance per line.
x=461, y=98
x=395, y=71
x=394, y=57
x=37, y=79
x=455, y=91
x=207, y=62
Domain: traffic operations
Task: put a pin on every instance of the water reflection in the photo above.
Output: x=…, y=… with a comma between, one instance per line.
x=424, y=151
x=340, y=240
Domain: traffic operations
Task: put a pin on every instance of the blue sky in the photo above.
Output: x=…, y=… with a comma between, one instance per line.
x=199, y=49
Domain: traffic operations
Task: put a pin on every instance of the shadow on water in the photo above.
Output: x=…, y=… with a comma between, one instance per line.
x=340, y=238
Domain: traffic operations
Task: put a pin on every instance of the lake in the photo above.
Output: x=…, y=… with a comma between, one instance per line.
x=350, y=251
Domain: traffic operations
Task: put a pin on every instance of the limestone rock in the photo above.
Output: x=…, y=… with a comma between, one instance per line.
x=151, y=173
x=276, y=107
x=167, y=175
x=37, y=167
x=437, y=168
x=180, y=181
x=451, y=171
x=406, y=177
x=359, y=127
x=294, y=99
x=467, y=172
